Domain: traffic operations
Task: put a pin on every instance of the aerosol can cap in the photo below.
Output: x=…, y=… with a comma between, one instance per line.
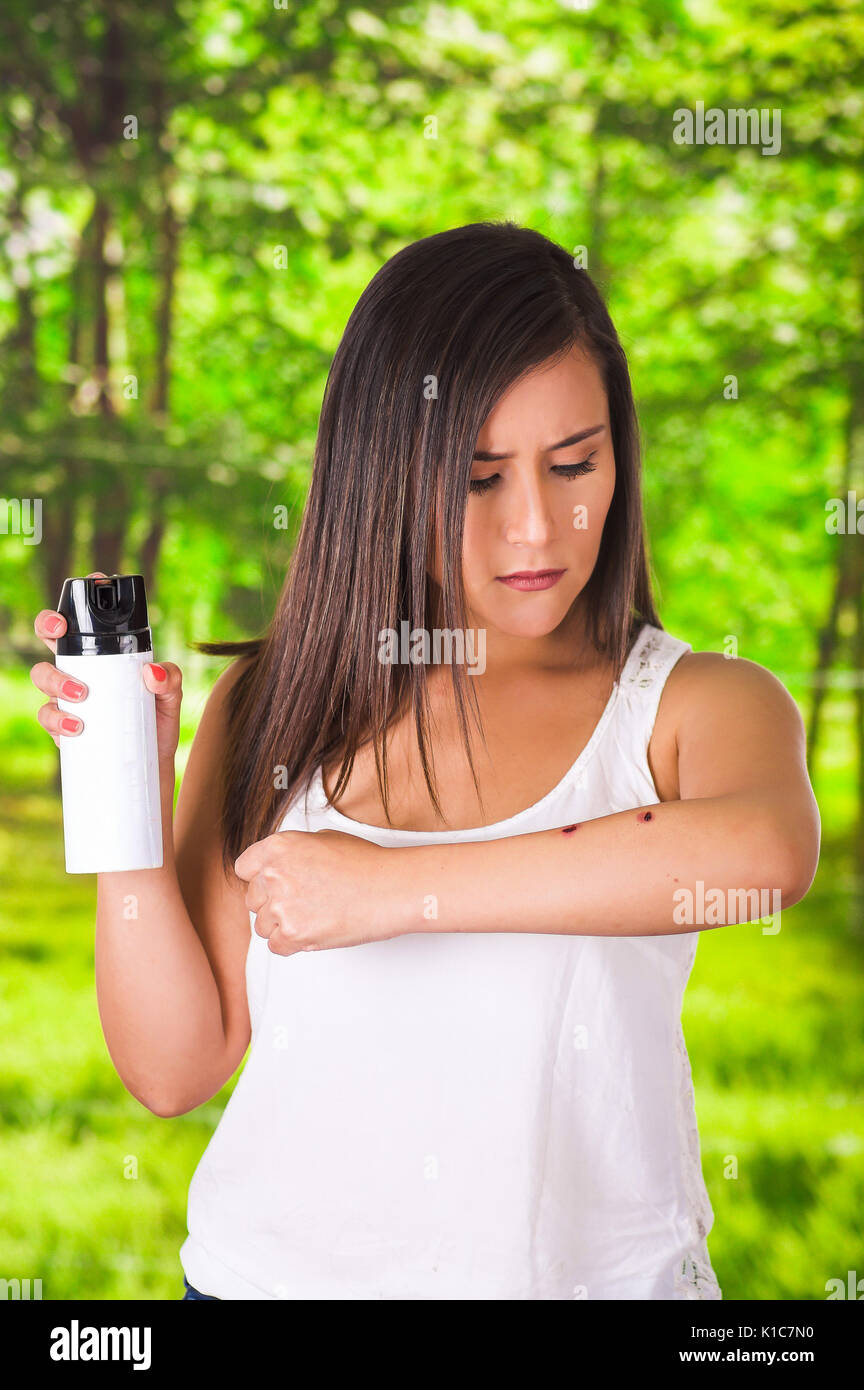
x=110, y=612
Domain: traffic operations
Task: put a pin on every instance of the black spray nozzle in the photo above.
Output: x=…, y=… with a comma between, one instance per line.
x=111, y=608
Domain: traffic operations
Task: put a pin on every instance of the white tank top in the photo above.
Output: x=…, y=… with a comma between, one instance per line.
x=468, y=1115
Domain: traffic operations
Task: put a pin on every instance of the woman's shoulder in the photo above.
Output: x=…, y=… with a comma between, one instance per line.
x=723, y=711
x=709, y=682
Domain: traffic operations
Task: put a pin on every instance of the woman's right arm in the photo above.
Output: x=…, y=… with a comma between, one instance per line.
x=171, y=943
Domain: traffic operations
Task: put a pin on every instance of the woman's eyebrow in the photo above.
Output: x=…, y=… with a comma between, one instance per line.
x=483, y=456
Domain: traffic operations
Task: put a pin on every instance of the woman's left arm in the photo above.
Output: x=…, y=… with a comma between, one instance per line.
x=746, y=821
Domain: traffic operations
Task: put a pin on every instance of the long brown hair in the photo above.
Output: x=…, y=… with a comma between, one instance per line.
x=444, y=328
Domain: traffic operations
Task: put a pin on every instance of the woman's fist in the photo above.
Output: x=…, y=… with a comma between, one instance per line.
x=312, y=891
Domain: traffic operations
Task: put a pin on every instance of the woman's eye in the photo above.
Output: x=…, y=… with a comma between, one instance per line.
x=575, y=470
x=479, y=485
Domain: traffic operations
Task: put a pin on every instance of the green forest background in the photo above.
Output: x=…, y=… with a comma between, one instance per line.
x=192, y=198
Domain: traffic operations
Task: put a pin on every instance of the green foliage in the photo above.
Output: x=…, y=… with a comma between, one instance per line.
x=773, y=1025
x=162, y=362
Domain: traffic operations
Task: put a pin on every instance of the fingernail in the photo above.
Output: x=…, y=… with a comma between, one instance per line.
x=70, y=725
x=54, y=624
x=159, y=671
x=72, y=690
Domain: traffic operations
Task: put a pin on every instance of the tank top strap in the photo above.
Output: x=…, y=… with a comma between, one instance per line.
x=645, y=673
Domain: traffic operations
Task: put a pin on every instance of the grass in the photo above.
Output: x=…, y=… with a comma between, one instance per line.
x=93, y=1187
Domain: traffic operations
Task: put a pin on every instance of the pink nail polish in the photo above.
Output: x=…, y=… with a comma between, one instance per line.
x=72, y=690
x=70, y=725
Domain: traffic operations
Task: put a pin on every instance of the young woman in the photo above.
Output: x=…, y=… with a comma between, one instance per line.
x=467, y=1077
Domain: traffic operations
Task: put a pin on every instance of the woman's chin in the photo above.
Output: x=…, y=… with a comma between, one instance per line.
x=536, y=624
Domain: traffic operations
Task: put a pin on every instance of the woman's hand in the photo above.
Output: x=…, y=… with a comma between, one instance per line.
x=313, y=891
x=165, y=681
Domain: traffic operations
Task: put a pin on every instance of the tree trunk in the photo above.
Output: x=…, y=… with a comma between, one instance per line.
x=858, y=648
x=846, y=583
x=159, y=481
x=111, y=503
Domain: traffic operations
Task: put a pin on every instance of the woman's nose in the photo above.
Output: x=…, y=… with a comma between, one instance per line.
x=529, y=520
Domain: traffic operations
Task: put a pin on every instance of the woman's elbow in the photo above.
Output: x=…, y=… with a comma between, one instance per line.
x=795, y=855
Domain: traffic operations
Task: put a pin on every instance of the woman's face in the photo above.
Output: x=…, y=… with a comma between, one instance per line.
x=535, y=512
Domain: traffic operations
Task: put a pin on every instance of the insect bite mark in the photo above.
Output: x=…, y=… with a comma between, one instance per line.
x=644, y=816
x=568, y=829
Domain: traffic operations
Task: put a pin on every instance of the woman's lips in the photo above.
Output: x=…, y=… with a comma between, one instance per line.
x=528, y=580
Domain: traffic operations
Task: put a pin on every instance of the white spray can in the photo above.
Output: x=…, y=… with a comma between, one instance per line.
x=109, y=773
